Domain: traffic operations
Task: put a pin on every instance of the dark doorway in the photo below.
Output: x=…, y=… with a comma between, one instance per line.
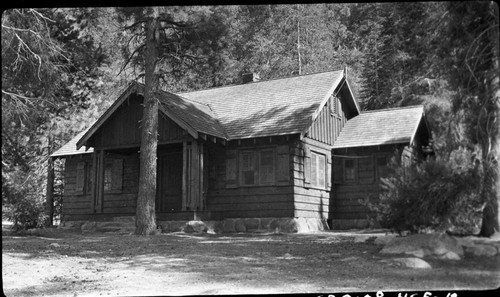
x=169, y=187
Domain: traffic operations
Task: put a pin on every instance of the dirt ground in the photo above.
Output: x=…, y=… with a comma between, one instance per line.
x=65, y=263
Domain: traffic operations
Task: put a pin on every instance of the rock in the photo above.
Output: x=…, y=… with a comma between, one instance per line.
x=89, y=226
x=251, y=224
x=239, y=226
x=481, y=250
x=108, y=226
x=316, y=225
x=288, y=226
x=361, y=238
x=195, y=227
x=228, y=226
x=417, y=253
x=413, y=263
x=450, y=256
x=385, y=239
x=301, y=225
x=420, y=245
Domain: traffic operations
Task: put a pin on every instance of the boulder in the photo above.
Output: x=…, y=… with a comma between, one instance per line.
x=481, y=250
x=288, y=226
x=239, y=226
x=251, y=224
x=384, y=239
x=195, y=227
x=228, y=226
x=421, y=245
x=411, y=263
x=89, y=226
x=449, y=256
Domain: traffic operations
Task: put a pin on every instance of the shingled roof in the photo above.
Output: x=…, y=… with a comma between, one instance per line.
x=70, y=147
x=268, y=108
x=378, y=127
x=259, y=109
x=196, y=115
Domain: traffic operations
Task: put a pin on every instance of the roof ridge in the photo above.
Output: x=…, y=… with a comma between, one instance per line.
x=393, y=108
x=260, y=81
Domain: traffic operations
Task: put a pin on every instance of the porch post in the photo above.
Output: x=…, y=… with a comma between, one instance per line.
x=184, y=174
x=49, y=198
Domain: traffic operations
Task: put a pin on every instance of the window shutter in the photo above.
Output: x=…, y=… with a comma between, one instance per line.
x=328, y=171
x=307, y=165
x=231, y=176
x=282, y=165
x=117, y=174
x=338, y=174
x=80, y=177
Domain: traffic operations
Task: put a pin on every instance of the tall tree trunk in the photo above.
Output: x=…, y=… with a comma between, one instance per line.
x=49, y=198
x=298, y=39
x=145, y=214
x=490, y=146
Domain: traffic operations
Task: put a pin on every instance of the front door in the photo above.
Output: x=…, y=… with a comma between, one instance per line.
x=169, y=187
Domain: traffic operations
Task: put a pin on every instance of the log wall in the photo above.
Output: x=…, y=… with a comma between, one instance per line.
x=347, y=196
x=231, y=200
x=78, y=204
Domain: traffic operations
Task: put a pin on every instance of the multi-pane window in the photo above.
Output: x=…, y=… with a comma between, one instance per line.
x=349, y=170
x=257, y=167
x=266, y=167
x=318, y=173
x=108, y=175
x=247, y=168
x=88, y=177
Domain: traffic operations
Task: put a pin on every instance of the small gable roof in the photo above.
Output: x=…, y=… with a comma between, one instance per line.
x=70, y=147
x=379, y=127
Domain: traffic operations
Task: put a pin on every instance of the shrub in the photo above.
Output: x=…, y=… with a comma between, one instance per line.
x=26, y=212
x=437, y=194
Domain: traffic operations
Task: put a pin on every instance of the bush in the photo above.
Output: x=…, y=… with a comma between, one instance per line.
x=27, y=212
x=435, y=194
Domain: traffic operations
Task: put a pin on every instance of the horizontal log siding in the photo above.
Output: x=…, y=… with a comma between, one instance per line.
x=309, y=202
x=75, y=203
x=123, y=202
x=347, y=203
x=245, y=201
x=348, y=196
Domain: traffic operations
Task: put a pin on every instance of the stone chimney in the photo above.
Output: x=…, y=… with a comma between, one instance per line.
x=249, y=77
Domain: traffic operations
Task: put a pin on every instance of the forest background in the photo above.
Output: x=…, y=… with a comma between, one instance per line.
x=62, y=67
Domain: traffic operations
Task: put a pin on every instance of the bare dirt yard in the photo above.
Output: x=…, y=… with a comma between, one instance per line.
x=69, y=263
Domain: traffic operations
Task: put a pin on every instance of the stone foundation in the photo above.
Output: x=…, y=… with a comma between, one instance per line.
x=351, y=224
x=230, y=225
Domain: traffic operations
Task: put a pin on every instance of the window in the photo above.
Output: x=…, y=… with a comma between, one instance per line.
x=108, y=175
x=88, y=177
x=257, y=167
x=318, y=170
x=349, y=171
x=266, y=167
x=247, y=168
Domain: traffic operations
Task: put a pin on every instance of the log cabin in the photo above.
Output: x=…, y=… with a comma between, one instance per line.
x=292, y=155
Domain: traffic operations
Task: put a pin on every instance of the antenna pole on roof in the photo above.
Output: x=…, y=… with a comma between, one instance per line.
x=345, y=71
